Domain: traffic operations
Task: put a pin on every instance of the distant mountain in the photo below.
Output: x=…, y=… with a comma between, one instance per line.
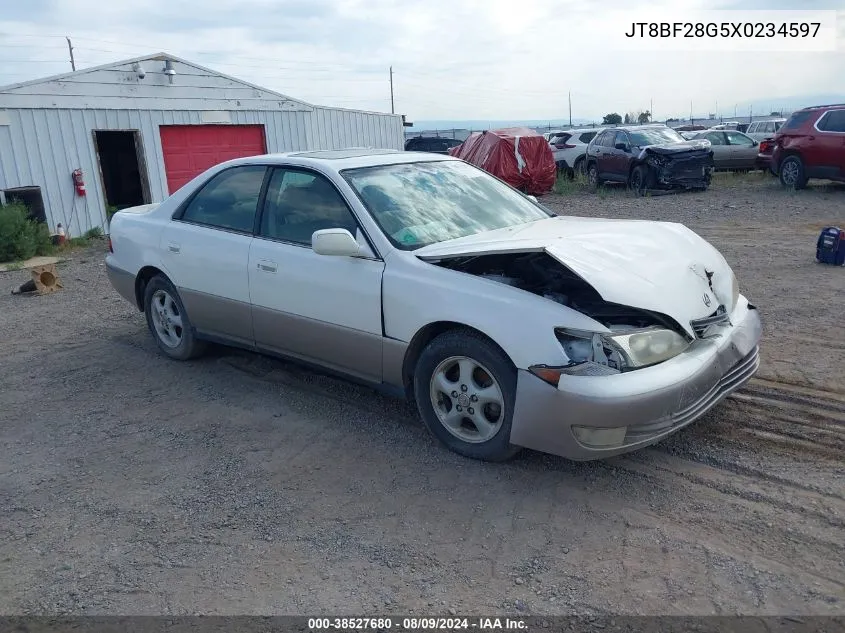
x=481, y=124
x=766, y=105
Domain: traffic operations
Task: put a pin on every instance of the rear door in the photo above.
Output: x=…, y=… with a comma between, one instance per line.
x=829, y=146
x=205, y=251
x=721, y=151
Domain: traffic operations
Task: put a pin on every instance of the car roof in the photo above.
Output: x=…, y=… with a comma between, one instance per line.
x=339, y=159
x=821, y=107
x=645, y=126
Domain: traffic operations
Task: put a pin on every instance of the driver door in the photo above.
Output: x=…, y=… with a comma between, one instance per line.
x=319, y=308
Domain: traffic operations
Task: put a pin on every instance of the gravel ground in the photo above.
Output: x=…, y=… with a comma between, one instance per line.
x=234, y=484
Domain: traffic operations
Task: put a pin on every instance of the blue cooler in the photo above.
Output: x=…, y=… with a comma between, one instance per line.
x=830, y=247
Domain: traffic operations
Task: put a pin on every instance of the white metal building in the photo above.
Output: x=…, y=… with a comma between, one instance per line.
x=140, y=128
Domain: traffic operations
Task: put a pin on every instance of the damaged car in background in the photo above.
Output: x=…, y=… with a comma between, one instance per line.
x=649, y=157
x=430, y=279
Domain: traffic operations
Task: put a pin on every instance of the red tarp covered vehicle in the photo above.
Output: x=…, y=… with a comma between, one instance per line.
x=519, y=156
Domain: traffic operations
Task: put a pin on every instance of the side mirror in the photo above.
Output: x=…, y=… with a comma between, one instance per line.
x=335, y=242
x=623, y=147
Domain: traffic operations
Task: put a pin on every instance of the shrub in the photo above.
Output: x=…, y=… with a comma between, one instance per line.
x=20, y=237
x=93, y=234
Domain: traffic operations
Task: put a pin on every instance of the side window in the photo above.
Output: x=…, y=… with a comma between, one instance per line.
x=736, y=138
x=229, y=200
x=715, y=138
x=301, y=202
x=606, y=139
x=752, y=128
x=621, y=138
x=833, y=121
x=586, y=137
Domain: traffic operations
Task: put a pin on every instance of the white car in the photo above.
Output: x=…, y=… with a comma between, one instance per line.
x=570, y=147
x=431, y=279
x=761, y=130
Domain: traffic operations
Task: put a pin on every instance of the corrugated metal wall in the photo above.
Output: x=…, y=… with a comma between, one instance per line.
x=43, y=146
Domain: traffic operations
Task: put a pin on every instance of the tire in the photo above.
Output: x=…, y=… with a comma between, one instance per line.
x=791, y=173
x=168, y=321
x=639, y=180
x=578, y=168
x=453, y=373
x=593, y=176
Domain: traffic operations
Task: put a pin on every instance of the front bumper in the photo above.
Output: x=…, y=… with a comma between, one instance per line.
x=651, y=403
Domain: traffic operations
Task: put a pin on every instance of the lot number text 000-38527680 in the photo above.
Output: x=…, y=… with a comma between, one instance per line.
x=416, y=624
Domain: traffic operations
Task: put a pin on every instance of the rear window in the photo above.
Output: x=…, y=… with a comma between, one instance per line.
x=559, y=139
x=797, y=119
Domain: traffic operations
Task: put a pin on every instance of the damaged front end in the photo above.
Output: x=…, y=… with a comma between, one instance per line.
x=688, y=169
x=635, y=338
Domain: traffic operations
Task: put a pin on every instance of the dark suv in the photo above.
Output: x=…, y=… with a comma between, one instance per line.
x=811, y=144
x=435, y=144
x=649, y=157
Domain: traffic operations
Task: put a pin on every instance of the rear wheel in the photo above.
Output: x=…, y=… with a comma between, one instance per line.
x=593, y=176
x=792, y=174
x=578, y=168
x=465, y=388
x=168, y=321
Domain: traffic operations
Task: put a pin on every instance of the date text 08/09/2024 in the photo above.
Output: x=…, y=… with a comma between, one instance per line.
x=724, y=29
x=417, y=624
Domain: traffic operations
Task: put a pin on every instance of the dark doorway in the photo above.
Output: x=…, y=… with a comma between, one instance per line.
x=122, y=168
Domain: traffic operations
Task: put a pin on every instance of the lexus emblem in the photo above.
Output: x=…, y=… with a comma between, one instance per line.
x=706, y=300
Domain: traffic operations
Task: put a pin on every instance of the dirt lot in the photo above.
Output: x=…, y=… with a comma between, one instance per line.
x=130, y=484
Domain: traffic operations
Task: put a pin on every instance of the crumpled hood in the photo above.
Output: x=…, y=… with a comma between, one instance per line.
x=657, y=266
x=677, y=148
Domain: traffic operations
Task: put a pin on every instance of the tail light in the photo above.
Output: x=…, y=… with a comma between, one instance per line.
x=111, y=249
x=765, y=147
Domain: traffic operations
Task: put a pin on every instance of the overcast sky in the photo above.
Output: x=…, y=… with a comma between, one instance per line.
x=452, y=59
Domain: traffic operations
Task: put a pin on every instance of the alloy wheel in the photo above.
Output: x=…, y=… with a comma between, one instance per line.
x=467, y=399
x=166, y=318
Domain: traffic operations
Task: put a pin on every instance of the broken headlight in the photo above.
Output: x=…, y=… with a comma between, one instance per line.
x=621, y=351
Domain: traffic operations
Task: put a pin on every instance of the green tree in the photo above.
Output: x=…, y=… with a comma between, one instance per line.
x=644, y=117
x=612, y=119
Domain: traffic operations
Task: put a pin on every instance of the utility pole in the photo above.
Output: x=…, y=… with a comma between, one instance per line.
x=70, y=50
x=570, y=108
x=392, y=111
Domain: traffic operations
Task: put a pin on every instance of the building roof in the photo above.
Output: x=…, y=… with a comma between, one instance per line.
x=146, y=58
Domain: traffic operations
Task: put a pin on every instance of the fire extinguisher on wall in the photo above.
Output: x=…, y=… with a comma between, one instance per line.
x=78, y=182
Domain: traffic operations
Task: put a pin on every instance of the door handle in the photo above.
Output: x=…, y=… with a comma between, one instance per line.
x=811, y=138
x=173, y=247
x=267, y=266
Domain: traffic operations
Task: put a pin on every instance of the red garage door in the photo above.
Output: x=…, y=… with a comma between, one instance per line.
x=191, y=149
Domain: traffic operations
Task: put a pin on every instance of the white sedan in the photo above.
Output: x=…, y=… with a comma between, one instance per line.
x=429, y=278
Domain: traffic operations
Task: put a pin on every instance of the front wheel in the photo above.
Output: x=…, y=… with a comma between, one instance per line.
x=465, y=388
x=168, y=321
x=639, y=180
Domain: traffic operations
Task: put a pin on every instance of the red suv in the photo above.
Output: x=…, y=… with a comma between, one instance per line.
x=811, y=144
